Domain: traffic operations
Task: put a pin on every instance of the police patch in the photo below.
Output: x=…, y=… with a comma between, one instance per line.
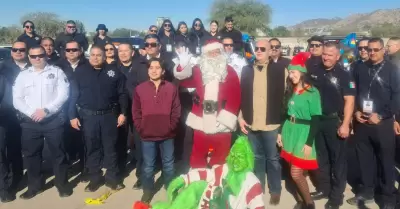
x=51, y=76
x=111, y=73
x=37, y=38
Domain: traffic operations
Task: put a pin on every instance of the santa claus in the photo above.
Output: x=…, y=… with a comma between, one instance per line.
x=216, y=102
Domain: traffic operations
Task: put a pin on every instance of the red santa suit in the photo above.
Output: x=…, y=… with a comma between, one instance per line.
x=214, y=112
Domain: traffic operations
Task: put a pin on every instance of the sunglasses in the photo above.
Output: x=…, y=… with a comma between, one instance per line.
x=197, y=24
x=153, y=31
x=167, y=25
x=228, y=45
x=18, y=49
x=37, y=56
x=360, y=48
x=72, y=50
x=109, y=49
x=374, y=49
x=275, y=46
x=28, y=26
x=263, y=49
x=315, y=45
x=71, y=27
x=152, y=45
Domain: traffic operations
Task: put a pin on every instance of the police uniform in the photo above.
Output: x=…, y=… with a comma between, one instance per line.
x=378, y=91
x=47, y=89
x=333, y=86
x=100, y=96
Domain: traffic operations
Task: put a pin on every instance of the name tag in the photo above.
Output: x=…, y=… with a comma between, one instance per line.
x=198, y=50
x=169, y=47
x=368, y=106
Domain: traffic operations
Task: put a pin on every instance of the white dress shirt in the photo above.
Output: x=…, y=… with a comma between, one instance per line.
x=237, y=62
x=48, y=89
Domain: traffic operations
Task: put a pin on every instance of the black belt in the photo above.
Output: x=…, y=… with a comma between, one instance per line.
x=330, y=116
x=295, y=120
x=95, y=112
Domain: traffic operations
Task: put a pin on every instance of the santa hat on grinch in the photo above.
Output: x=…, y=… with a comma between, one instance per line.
x=299, y=62
x=212, y=44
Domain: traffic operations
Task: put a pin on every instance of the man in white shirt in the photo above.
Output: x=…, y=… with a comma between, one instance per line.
x=39, y=94
x=234, y=60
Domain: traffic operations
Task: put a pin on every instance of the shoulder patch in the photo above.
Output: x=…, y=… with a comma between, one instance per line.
x=352, y=85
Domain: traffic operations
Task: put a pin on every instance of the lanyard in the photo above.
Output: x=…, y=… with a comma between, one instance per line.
x=374, y=78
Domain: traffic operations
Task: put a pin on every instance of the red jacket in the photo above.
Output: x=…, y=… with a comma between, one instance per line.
x=156, y=113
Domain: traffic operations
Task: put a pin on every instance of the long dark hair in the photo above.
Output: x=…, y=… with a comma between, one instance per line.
x=161, y=31
x=115, y=51
x=178, y=32
x=290, y=89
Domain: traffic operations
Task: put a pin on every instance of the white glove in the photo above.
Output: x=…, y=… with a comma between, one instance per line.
x=184, y=57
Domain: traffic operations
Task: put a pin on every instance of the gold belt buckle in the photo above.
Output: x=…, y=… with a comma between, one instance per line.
x=292, y=119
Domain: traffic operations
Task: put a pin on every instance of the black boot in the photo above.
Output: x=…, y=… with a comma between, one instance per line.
x=318, y=195
x=64, y=191
x=93, y=186
x=115, y=186
x=5, y=197
x=147, y=196
x=31, y=193
x=84, y=176
x=137, y=185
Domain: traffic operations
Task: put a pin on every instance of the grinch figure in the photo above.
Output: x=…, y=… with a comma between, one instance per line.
x=227, y=186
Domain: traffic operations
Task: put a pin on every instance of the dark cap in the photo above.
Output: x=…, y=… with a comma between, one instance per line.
x=316, y=38
x=71, y=22
x=229, y=19
x=102, y=27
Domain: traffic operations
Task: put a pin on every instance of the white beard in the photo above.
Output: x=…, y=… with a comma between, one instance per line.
x=213, y=68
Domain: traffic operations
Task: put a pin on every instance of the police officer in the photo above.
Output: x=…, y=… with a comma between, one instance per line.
x=71, y=34
x=378, y=93
x=5, y=107
x=337, y=95
x=30, y=37
x=39, y=94
x=98, y=90
x=73, y=59
x=48, y=44
x=316, y=46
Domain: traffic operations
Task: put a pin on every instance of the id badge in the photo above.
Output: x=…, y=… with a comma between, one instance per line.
x=368, y=106
x=169, y=47
x=198, y=50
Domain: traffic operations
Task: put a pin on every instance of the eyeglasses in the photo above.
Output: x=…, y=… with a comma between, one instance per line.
x=315, y=45
x=35, y=56
x=109, y=49
x=263, y=49
x=228, y=45
x=18, y=49
x=167, y=25
x=374, y=49
x=360, y=48
x=275, y=46
x=72, y=50
x=150, y=45
x=29, y=26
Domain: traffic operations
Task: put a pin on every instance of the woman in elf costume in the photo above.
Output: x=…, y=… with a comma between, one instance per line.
x=303, y=108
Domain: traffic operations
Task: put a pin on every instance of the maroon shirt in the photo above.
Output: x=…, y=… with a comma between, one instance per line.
x=156, y=113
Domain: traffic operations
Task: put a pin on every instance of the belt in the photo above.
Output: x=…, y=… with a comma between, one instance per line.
x=95, y=112
x=331, y=116
x=295, y=120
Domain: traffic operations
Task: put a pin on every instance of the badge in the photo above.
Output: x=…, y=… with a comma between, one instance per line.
x=169, y=47
x=368, y=106
x=37, y=38
x=50, y=76
x=314, y=77
x=111, y=73
x=198, y=50
x=334, y=80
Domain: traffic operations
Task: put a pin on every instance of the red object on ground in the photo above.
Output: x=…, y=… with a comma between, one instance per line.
x=141, y=205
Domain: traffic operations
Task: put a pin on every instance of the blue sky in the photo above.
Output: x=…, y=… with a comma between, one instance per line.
x=139, y=14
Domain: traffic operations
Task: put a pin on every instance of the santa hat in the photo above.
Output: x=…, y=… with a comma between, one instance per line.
x=212, y=44
x=299, y=62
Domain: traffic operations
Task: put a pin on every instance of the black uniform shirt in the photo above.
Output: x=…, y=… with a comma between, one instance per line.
x=98, y=89
x=385, y=88
x=332, y=85
x=30, y=41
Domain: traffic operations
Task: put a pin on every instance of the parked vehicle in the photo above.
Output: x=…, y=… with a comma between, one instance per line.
x=5, y=54
x=298, y=49
x=286, y=51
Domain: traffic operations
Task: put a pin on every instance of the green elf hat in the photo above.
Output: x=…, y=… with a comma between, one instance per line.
x=299, y=62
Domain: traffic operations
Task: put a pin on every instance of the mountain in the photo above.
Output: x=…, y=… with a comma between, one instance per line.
x=357, y=22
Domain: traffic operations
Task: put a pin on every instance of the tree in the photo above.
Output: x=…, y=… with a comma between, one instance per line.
x=298, y=32
x=124, y=32
x=385, y=30
x=46, y=23
x=9, y=34
x=280, y=31
x=249, y=15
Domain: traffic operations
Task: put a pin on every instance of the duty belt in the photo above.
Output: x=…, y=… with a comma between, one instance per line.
x=295, y=120
x=95, y=112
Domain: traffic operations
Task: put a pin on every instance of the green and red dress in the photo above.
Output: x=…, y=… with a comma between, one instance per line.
x=303, y=107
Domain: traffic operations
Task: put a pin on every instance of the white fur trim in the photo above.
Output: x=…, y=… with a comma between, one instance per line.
x=228, y=119
x=196, y=123
x=210, y=47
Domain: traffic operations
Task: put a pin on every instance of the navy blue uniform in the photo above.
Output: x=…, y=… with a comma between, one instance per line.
x=30, y=41
x=100, y=96
x=333, y=86
x=63, y=38
x=101, y=42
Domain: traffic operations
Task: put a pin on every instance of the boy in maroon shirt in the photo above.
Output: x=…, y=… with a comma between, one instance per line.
x=156, y=111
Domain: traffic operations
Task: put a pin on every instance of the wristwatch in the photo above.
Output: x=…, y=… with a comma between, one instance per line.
x=46, y=111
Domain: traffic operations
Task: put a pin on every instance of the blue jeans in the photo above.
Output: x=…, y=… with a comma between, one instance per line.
x=264, y=148
x=149, y=151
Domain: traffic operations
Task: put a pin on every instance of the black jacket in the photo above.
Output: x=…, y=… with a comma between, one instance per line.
x=30, y=41
x=63, y=38
x=53, y=59
x=198, y=39
x=66, y=66
x=10, y=70
x=101, y=42
x=183, y=38
x=236, y=36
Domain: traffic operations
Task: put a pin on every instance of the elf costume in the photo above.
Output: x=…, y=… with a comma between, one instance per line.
x=300, y=129
x=227, y=186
